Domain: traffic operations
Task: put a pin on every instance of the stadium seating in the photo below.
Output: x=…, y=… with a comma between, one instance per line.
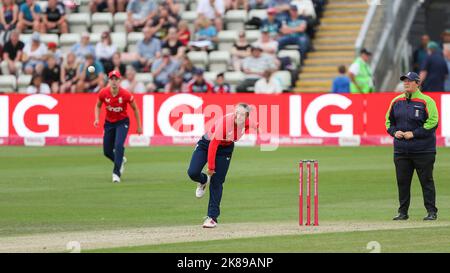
x=7, y=83
x=101, y=21
x=79, y=22
x=23, y=81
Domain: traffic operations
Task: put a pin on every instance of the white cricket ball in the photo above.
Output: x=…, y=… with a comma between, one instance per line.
x=91, y=69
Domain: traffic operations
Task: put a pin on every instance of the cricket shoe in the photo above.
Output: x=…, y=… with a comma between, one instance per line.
x=115, y=178
x=209, y=223
x=430, y=217
x=201, y=188
x=401, y=217
x=122, y=167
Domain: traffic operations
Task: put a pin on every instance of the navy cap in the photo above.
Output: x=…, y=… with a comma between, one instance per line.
x=293, y=7
x=410, y=76
x=365, y=51
x=198, y=71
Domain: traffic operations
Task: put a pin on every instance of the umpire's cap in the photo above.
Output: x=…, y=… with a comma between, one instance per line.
x=410, y=76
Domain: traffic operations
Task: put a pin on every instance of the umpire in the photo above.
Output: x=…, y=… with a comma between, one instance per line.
x=412, y=120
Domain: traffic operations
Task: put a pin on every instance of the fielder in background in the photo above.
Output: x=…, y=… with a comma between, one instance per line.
x=360, y=74
x=412, y=120
x=216, y=148
x=117, y=122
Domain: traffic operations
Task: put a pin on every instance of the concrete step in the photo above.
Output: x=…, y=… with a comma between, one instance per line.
x=319, y=69
x=344, y=13
x=329, y=61
x=312, y=90
x=331, y=54
x=337, y=33
x=343, y=20
x=344, y=27
x=325, y=47
x=311, y=83
x=318, y=76
x=332, y=6
x=335, y=40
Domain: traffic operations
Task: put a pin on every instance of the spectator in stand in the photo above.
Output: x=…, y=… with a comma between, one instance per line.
x=163, y=21
x=268, y=84
x=240, y=51
x=37, y=86
x=360, y=74
x=236, y=4
x=90, y=82
x=270, y=46
x=12, y=55
x=272, y=24
x=55, y=17
x=176, y=84
x=173, y=44
x=184, y=34
x=254, y=67
x=52, y=74
x=341, y=84
x=117, y=64
x=69, y=75
x=173, y=6
x=9, y=15
x=267, y=43
x=199, y=84
x=205, y=37
x=83, y=48
x=282, y=8
x=421, y=53
x=258, y=4
x=293, y=32
x=29, y=16
x=107, y=6
x=34, y=55
x=187, y=69
x=447, y=60
x=139, y=12
x=130, y=83
x=147, y=49
x=104, y=51
x=214, y=10
x=434, y=70
x=220, y=86
x=162, y=68
x=55, y=51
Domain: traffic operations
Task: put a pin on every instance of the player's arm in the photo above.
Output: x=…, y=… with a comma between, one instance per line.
x=430, y=125
x=98, y=107
x=391, y=127
x=136, y=115
x=214, y=143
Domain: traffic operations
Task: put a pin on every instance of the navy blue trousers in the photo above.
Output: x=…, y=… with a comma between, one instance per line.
x=198, y=161
x=114, y=140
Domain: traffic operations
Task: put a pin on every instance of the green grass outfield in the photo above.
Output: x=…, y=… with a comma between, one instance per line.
x=61, y=189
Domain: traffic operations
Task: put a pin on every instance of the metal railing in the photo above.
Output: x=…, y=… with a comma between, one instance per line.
x=384, y=32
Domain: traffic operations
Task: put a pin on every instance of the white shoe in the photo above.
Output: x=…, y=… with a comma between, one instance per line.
x=122, y=168
x=201, y=188
x=115, y=178
x=209, y=223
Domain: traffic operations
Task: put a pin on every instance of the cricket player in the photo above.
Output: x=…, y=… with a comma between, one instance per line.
x=117, y=122
x=412, y=120
x=216, y=149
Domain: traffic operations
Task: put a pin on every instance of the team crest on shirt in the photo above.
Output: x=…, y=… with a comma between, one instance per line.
x=120, y=100
x=107, y=100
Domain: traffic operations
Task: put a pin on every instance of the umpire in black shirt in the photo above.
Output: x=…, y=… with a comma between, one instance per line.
x=412, y=120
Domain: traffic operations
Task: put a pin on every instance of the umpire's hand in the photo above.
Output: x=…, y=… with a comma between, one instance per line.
x=399, y=134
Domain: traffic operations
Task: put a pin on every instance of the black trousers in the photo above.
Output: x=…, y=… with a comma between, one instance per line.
x=405, y=164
